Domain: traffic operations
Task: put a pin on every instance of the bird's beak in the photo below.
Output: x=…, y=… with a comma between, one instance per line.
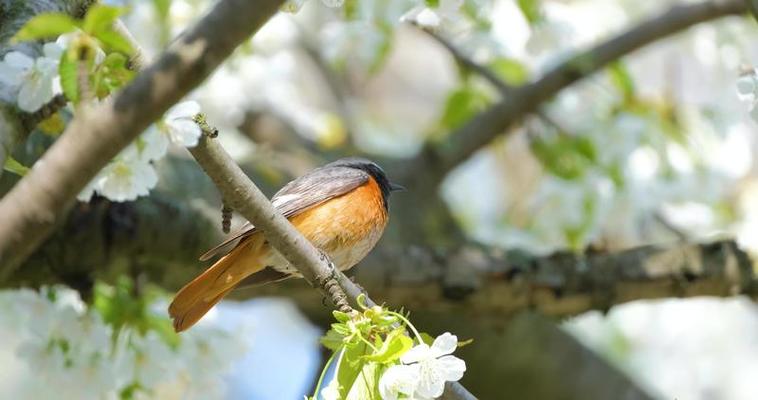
x=394, y=187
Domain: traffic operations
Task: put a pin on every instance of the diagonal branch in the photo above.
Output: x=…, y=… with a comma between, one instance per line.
x=41, y=199
x=504, y=88
x=526, y=99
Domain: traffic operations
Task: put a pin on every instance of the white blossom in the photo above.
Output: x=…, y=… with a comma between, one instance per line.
x=127, y=178
x=36, y=79
x=177, y=127
x=399, y=380
x=435, y=365
x=434, y=17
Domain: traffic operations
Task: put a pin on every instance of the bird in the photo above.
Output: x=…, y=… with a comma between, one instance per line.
x=341, y=208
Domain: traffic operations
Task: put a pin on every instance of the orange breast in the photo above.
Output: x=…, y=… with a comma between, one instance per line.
x=346, y=227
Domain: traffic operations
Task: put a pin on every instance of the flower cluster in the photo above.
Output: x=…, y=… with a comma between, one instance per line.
x=35, y=80
x=377, y=358
x=131, y=174
x=91, y=44
x=59, y=340
x=423, y=370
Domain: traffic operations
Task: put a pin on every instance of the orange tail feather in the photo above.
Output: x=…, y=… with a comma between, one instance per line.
x=196, y=298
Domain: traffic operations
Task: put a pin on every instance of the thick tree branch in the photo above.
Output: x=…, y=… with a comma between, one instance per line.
x=480, y=130
x=40, y=200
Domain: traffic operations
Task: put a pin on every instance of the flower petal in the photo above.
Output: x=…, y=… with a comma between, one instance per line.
x=397, y=380
x=430, y=383
x=185, y=109
x=445, y=343
x=428, y=18
x=34, y=93
x=451, y=368
x=19, y=60
x=52, y=51
x=155, y=144
x=416, y=354
x=184, y=132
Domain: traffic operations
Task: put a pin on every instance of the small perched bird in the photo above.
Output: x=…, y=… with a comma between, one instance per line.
x=341, y=208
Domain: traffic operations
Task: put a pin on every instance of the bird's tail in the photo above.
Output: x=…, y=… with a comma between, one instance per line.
x=196, y=298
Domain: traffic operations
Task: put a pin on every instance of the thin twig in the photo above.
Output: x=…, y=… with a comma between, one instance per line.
x=30, y=120
x=467, y=62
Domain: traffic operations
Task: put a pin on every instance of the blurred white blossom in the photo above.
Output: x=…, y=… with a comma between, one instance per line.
x=70, y=348
x=176, y=127
x=37, y=79
x=125, y=178
x=445, y=12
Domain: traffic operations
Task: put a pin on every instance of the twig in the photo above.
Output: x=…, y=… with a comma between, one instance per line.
x=42, y=198
x=226, y=218
x=30, y=120
x=504, y=88
x=525, y=99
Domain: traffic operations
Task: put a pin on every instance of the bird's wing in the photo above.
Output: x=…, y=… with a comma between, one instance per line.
x=307, y=191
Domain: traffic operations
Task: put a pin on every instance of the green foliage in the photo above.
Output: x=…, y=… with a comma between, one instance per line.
x=510, y=70
x=46, y=26
x=123, y=305
x=461, y=104
x=97, y=23
x=367, y=344
x=67, y=70
x=622, y=80
x=100, y=18
x=531, y=10
x=15, y=167
x=568, y=157
x=111, y=75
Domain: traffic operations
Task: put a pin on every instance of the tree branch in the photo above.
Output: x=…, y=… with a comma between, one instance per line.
x=504, y=88
x=41, y=199
x=480, y=130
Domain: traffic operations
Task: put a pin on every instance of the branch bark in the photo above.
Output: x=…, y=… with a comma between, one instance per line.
x=40, y=200
x=480, y=130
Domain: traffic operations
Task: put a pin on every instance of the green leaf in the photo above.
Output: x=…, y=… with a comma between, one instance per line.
x=622, y=80
x=341, y=316
x=67, y=71
x=396, y=343
x=332, y=340
x=567, y=157
x=15, y=167
x=510, y=70
x=427, y=338
x=162, y=7
x=45, y=26
x=350, y=367
x=531, y=10
x=461, y=105
x=112, y=74
x=366, y=385
x=100, y=18
x=114, y=41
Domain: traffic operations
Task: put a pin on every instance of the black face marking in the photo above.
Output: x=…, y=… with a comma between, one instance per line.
x=372, y=169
